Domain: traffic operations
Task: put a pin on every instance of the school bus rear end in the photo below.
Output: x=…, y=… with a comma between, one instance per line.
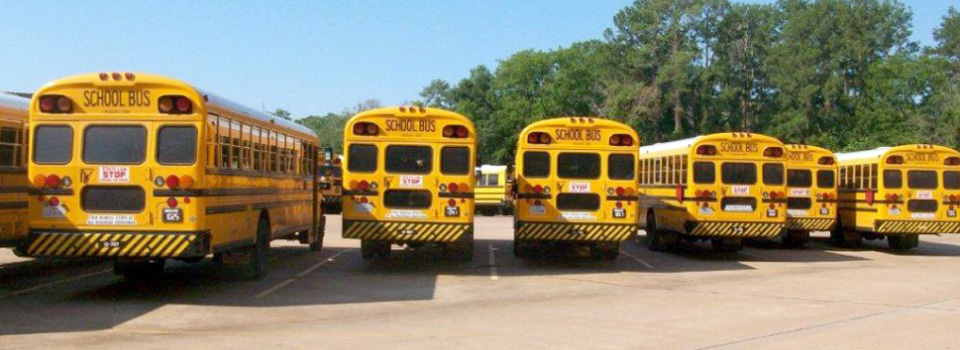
x=331, y=185
x=493, y=190
x=576, y=185
x=409, y=180
x=811, y=192
x=720, y=188
x=897, y=194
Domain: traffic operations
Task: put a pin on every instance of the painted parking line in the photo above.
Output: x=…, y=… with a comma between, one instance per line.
x=493, y=263
x=631, y=256
x=303, y=273
x=55, y=283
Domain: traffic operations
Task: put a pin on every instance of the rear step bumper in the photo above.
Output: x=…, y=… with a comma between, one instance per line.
x=42, y=243
x=558, y=231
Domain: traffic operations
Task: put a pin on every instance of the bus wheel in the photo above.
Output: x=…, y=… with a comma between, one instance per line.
x=139, y=269
x=371, y=250
x=727, y=245
x=260, y=252
x=488, y=211
x=605, y=251
x=319, y=232
x=657, y=240
x=840, y=237
x=903, y=242
x=462, y=249
x=796, y=239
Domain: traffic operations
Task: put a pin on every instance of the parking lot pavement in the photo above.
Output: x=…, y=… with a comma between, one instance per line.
x=765, y=297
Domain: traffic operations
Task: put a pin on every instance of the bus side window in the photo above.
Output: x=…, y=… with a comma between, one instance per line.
x=9, y=146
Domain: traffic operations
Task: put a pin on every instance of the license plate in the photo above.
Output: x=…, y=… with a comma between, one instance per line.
x=111, y=244
x=172, y=215
x=771, y=213
x=824, y=211
x=363, y=208
x=53, y=212
x=452, y=211
x=538, y=210
x=619, y=213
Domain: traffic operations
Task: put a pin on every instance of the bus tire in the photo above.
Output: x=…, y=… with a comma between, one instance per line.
x=726, y=245
x=260, y=252
x=796, y=239
x=657, y=240
x=138, y=270
x=903, y=242
x=842, y=238
x=462, y=249
x=319, y=232
x=375, y=250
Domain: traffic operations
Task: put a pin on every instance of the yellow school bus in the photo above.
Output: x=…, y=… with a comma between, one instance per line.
x=13, y=170
x=683, y=196
x=142, y=168
x=331, y=183
x=576, y=185
x=409, y=180
x=493, y=189
x=811, y=192
x=876, y=202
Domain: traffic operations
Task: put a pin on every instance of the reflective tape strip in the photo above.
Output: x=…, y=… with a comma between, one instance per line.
x=405, y=231
x=537, y=231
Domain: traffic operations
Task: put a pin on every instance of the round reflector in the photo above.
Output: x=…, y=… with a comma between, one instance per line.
x=447, y=131
x=452, y=202
x=172, y=202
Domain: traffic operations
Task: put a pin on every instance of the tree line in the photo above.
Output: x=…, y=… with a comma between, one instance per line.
x=838, y=74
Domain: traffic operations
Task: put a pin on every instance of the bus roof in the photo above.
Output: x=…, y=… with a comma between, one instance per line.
x=879, y=152
x=210, y=98
x=11, y=102
x=566, y=121
x=689, y=142
x=801, y=147
x=413, y=112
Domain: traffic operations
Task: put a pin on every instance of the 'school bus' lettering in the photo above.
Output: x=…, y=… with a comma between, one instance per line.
x=578, y=134
x=411, y=125
x=116, y=98
x=739, y=147
x=922, y=157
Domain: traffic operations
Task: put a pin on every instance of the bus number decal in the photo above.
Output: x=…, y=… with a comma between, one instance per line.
x=580, y=187
x=114, y=174
x=739, y=147
x=411, y=125
x=411, y=181
x=578, y=134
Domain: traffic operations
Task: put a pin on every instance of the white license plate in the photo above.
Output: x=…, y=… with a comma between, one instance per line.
x=796, y=212
x=538, y=210
x=172, y=215
x=53, y=212
x=619, y=213
x=363, y=208
x=452, y=211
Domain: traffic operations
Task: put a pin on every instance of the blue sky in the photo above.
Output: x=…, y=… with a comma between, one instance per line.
x=307, y=57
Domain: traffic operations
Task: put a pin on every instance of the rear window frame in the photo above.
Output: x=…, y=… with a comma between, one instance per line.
x=955, y=178
x=427, y=193
x=33, y=151
x=351, y=157
x=83, y=141
x=782, y=174
x=809, y=177
x=633, y=166
x=428, y=169
x=599, y=167
x=467, y=168
x=833, y=179
x=723, y=179
x=526, y=163
x=910, y=179
x=156, y=152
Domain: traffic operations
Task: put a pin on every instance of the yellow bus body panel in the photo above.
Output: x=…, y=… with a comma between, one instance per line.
x=822, y=213
x=493, y=196
x=13, y=169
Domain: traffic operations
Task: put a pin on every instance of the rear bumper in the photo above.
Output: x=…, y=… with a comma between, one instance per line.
x=415, y=232
x=918, y=227
x=570, y=232
x=147, y=245
x=811, y=224
x=735, y=229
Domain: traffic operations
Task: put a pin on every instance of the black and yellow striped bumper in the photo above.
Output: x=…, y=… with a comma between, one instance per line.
x=550, y=231
x=120, y=245
x=811, y=224
x=922, y=227
x=405, y=231
x=735, y=229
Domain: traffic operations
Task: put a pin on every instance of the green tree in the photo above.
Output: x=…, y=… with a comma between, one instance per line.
x=437, y=94
x=282, y=114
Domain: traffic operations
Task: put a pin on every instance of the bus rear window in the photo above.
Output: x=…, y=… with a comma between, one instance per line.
x=799, y=178
x=177, y=145
x=704, y=173
x=362, y=158
x=738, y=173
x=536, y=164
x=578, y=165
x=455, y=160
x=951, y=180
x=114, y=144
x=53, y=144
x=922, y=179
x=825, y=178
x=409, y=159
x=620, y=167
x=403, y=199
x=892, y=179
x=773, y=174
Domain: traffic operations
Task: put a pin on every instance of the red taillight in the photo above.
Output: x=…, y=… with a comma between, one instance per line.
x=184, y=105
x=358, y=129
x=826, y=161
x=53, y=181
x=538, y=189
x=951, y=161
x=895, y=160
x=621, y=140
x=619, y=205
x=175, y=104
x=46, y=104
x=172, y=181
x=370, y=129
x=130, y=76
x=116, y=76
x=707, y=150
x=869, y=196
x=364, y=185
x=104, y=76
x=620, y=191
x=172, y=202
x=453, y=187
x=615, y=140
x=539, y=138
x=54, y=201
x=452, y=202
x=55, y=104
x=462, y=131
